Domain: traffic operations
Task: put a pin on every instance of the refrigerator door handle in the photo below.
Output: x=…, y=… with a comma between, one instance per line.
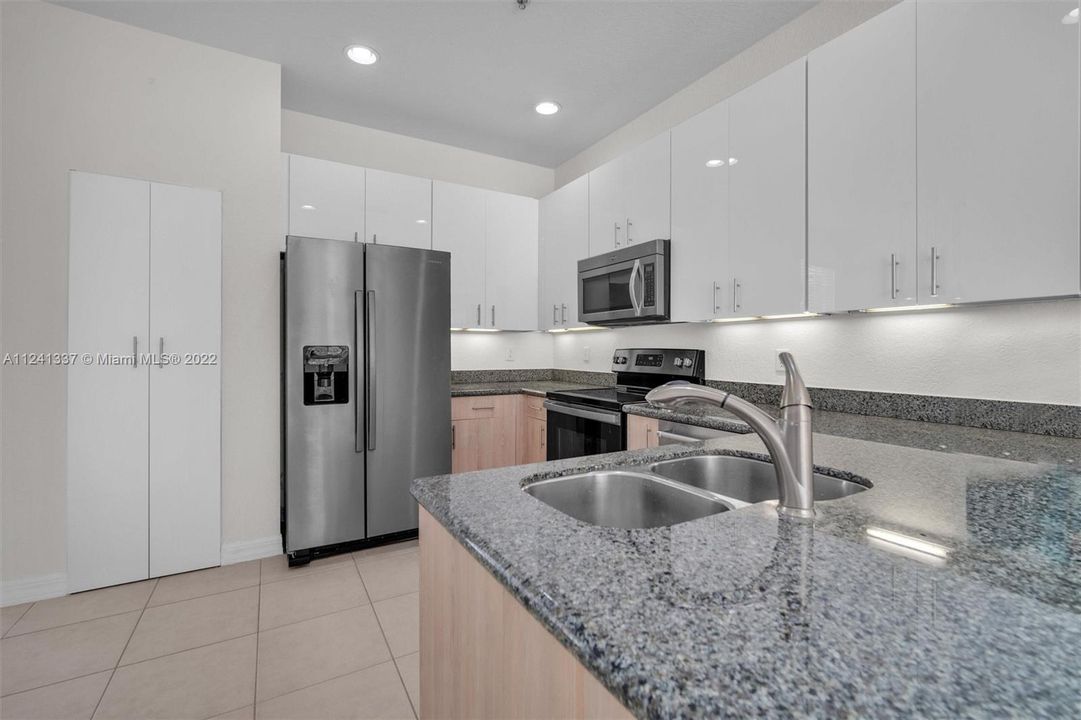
x=370, y=374
x=358, y=343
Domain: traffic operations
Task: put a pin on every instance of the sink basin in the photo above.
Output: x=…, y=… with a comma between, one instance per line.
x=744, y=479
x=625, y=499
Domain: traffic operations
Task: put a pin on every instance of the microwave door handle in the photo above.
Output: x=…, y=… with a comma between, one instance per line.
x=631, y=285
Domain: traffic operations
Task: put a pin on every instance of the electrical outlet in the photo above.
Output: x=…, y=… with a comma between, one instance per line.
x=585, y=354
x=510, y=354
x=778, y=366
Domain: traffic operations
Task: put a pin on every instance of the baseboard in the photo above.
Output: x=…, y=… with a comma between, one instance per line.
x=42, y=587
x=244, y=550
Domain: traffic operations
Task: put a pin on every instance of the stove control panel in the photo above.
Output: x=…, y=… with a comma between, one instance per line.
x=689, y=364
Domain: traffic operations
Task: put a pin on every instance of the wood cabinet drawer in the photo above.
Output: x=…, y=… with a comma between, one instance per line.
x=483, y=406
x=533, y=406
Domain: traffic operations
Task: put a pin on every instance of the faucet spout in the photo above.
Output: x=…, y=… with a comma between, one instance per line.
x=788, y=440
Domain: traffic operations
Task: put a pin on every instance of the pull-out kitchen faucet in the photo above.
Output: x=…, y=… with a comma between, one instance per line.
x=787, y=439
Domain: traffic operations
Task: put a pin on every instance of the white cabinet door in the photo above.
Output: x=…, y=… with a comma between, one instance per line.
x=326, y=199
x=108, y=297
x=647, y=190
x=700, y=215
x=564, y=240
x=766, y=191
x=185, y=398
x=997, y=89
x=861, y=171
x=511, y=262
x=398, y=210
x=458, y=227
x=607, y=216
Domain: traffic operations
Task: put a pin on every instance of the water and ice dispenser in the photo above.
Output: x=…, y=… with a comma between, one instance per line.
x=326, y=374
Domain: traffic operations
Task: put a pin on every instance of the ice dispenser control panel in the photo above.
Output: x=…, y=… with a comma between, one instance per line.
x=326, y=374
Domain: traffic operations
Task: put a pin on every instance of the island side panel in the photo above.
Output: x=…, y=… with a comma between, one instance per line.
x=482, y=655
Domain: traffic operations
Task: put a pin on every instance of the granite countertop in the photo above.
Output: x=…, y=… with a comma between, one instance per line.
x=528, y=387
x=940, y=437
x=745, y=614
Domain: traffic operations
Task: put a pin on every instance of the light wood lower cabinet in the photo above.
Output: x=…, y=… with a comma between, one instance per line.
x=483, y=432
x=641, y=432
x=532, y=430
x=482, y=655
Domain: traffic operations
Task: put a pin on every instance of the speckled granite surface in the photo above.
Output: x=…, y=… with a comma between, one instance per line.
x=940, y=437
x=744, y=615
x=529, y=387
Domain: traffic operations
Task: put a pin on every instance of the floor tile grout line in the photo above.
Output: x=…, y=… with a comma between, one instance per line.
x=124, y=650
x=200, y=597
x=315, y=617
x=197, y=647
x=57, y=682
x=29, y=607
x=329, y=679
x=390, y=650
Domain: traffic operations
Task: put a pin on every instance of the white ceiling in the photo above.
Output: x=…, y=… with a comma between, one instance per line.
x=469, y=73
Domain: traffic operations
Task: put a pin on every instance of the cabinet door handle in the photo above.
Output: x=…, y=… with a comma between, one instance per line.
x=478, y=314
x=161, y=352
x=629, y=241
x=737, y=295
x=541, y=432
x=564, y=313
x=135, y=351
x=356, y=236
x=616, y=233
x=452, y=436
x=493, y=316
x=555, y=314
x=934, y=271
x=716, y=287
x=374, y=241
x=893, y=276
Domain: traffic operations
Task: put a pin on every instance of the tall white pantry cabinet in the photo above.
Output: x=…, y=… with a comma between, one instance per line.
x=144, y=431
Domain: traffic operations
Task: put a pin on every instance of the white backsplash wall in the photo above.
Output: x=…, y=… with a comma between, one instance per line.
x=489, y=351
x=1024, y=352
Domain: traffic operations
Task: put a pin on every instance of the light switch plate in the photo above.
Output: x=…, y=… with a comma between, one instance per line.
x=510, y=354
x=585, y=354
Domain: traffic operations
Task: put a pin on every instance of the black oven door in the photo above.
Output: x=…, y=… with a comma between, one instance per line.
x=574, y=430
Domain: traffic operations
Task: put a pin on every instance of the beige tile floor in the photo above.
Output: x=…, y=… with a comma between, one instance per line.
x=338, y=638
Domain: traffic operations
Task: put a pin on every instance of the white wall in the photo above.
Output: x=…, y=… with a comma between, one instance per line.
x=1027, y=352
x=488, y=351
x=356, y=145
x=90, y=94
x=821, y=23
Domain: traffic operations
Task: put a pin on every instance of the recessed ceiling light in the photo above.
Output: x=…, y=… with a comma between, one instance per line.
x=1072, y=17
x=714, y=163
x=307, y=207
x=361, y=55
x=547, y=107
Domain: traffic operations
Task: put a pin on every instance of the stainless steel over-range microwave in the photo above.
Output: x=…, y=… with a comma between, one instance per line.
x=628, y=286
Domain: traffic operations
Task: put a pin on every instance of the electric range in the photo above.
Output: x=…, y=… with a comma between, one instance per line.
x=591, y=421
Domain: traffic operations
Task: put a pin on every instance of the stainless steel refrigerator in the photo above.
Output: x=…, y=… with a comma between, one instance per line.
x=366, y=375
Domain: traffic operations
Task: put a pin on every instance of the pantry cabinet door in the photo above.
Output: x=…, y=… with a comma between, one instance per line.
x=647, y=190
x=458, y=227
x=700, y=215
x=607, y=211
x=398, y=210
x=185, y=384
x=108, y=398
x=998, y=177
x=766, y=191
x=511, y=262
x=861, y=166
x=564, y=240
x=326, y=199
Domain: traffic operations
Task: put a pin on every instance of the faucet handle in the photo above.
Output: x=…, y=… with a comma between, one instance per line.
x=795, y=391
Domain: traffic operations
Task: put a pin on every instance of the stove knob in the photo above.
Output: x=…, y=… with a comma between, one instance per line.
x=687, y=362
x=678, y=362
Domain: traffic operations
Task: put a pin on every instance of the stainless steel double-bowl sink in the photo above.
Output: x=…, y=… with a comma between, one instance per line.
x=668, y=492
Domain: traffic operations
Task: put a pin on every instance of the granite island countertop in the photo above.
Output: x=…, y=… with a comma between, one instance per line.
x=515, y=387
x=744, y=614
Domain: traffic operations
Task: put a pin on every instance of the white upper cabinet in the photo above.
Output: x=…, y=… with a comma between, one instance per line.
x=629, y=197
x=398, y=210
x=511, y=262
x=861, y=166
x=458, y=227
x=326, y=199
x=564, y=240
x=766, y=196
x=997, y=114
x=700, y=215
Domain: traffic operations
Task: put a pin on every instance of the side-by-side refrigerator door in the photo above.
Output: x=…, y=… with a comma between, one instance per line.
x=324, y=393
x=408, y=358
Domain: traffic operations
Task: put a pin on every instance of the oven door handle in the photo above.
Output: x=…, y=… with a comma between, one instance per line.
x=604, y=416
x=635, y=272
